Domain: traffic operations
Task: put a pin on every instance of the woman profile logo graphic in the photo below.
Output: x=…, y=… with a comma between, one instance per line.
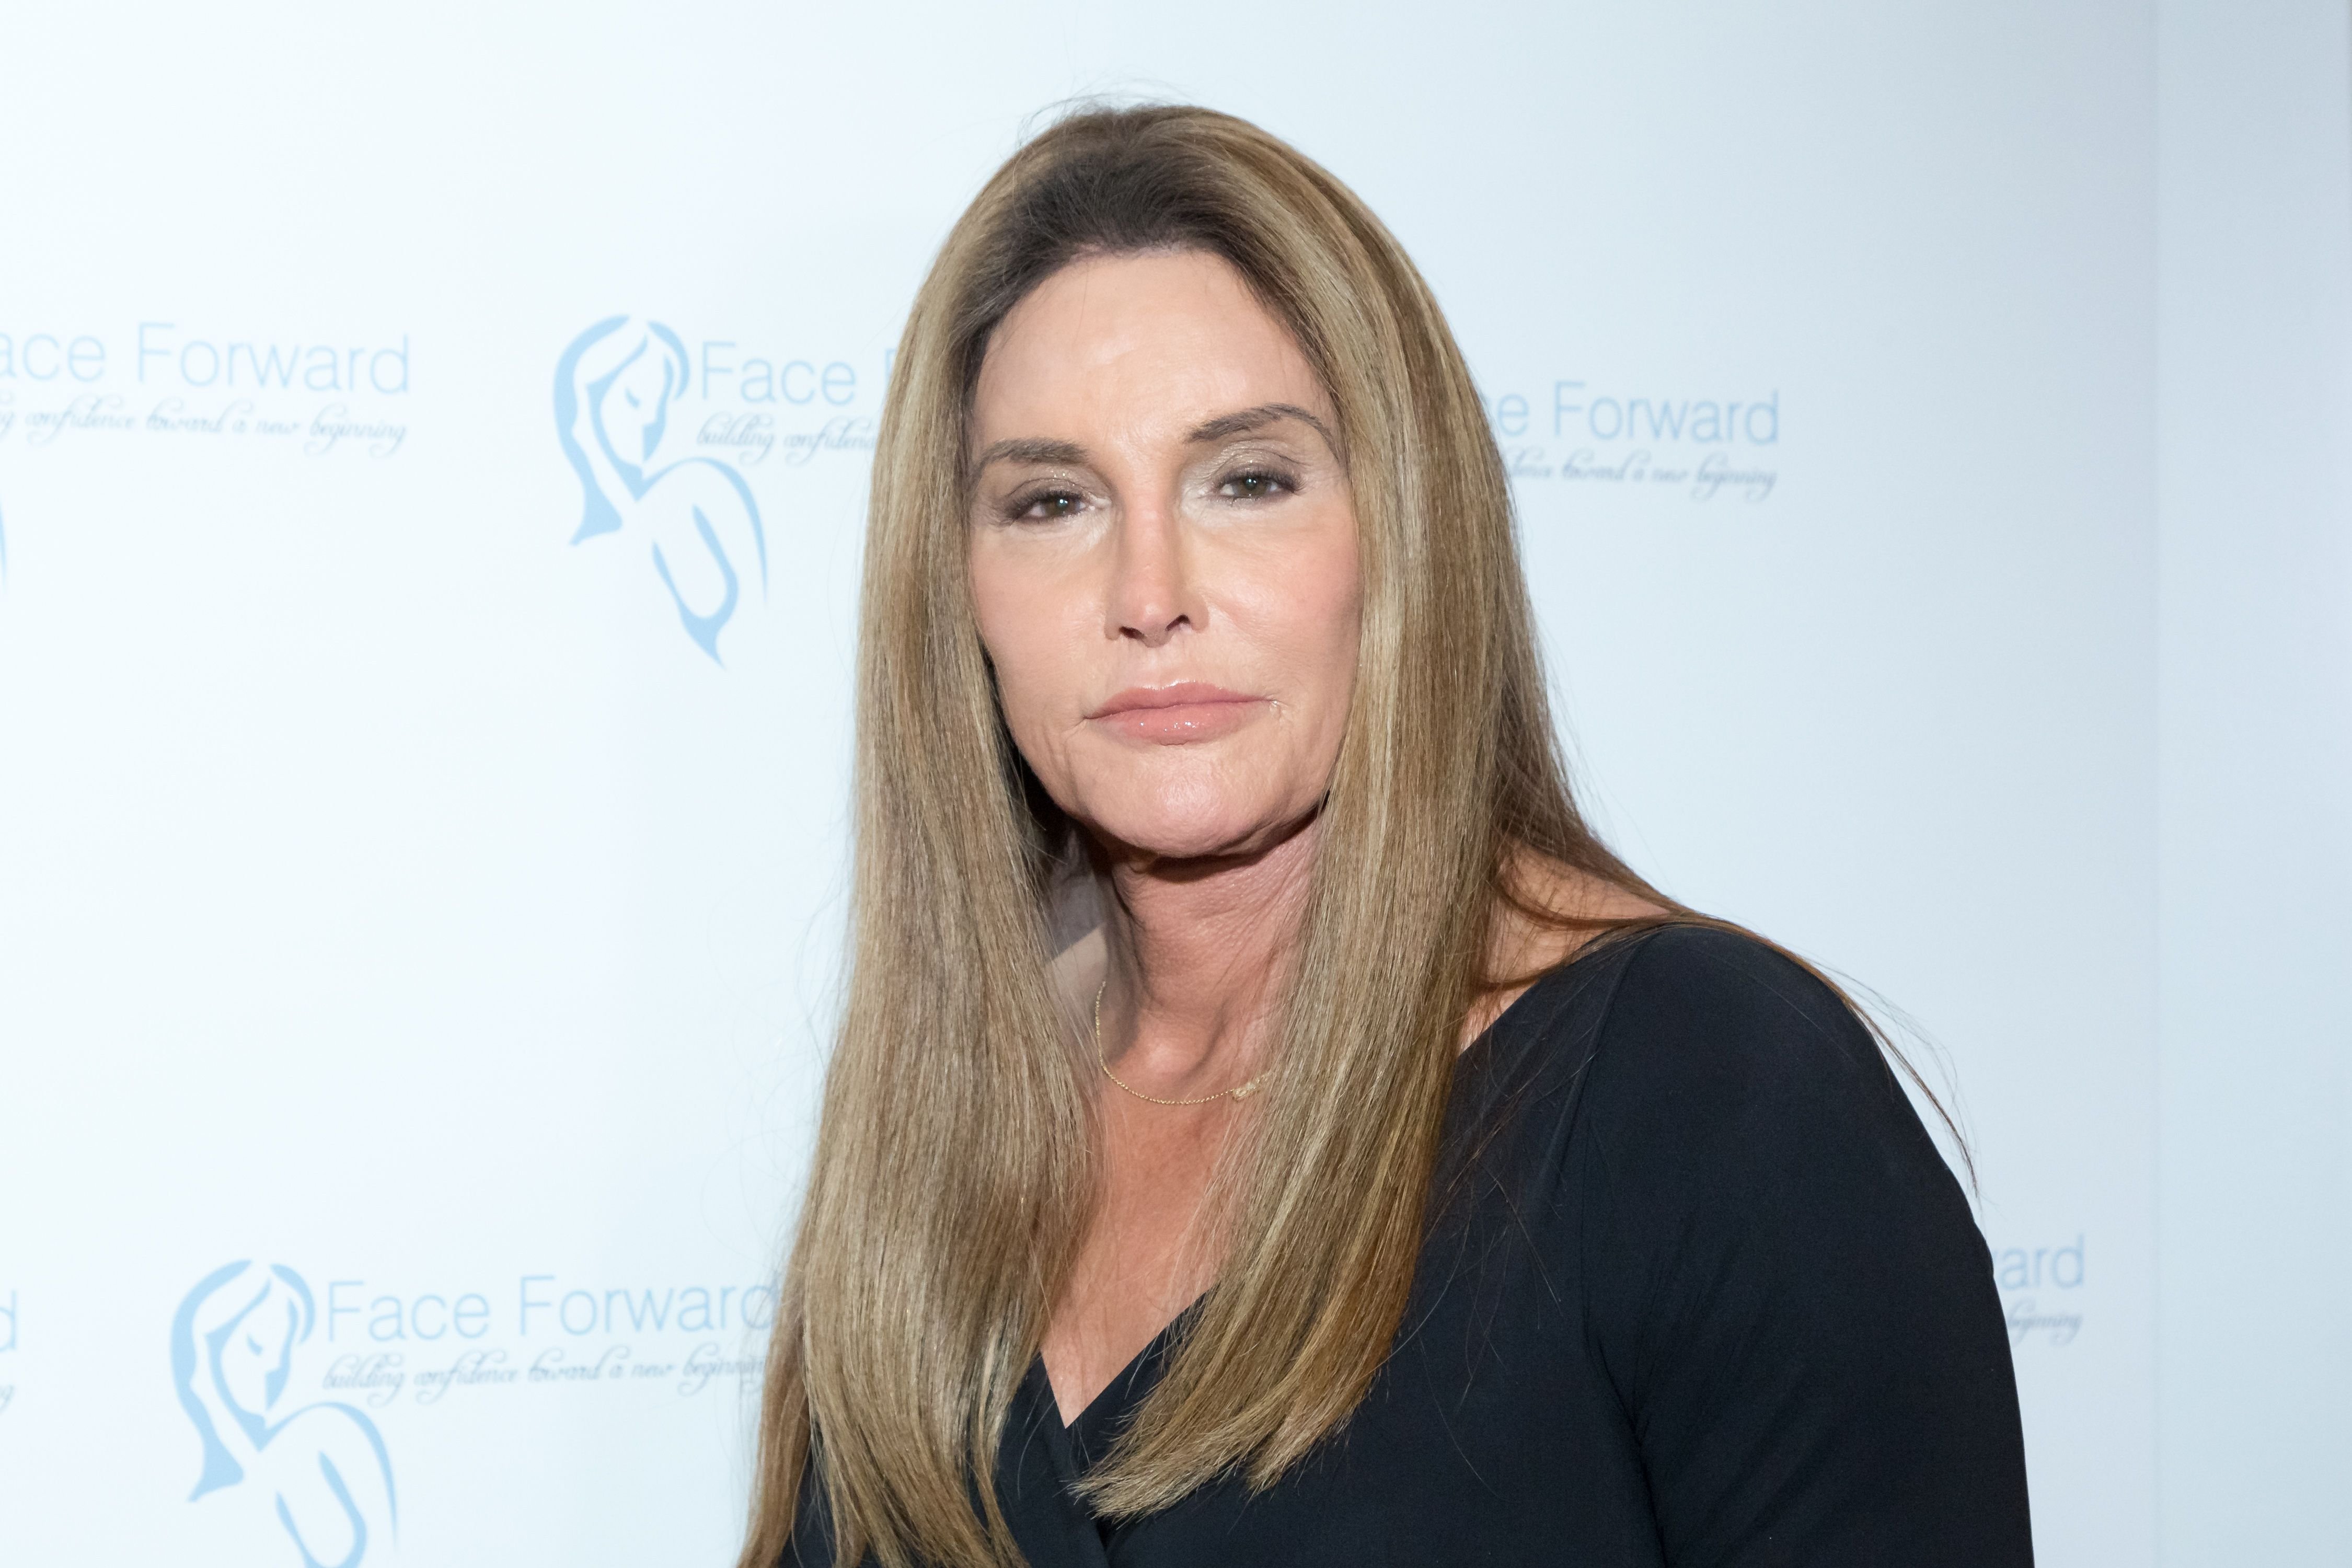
x=233, y=1344
x=613, y=387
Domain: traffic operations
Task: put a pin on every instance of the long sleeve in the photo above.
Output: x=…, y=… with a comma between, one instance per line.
x=1783, y=1281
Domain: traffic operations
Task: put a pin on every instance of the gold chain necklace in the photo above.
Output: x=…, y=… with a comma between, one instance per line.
x=1239, y=1092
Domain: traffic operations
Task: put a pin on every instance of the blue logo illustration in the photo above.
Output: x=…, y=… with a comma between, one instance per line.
x=233, y=1344
x=613, y=388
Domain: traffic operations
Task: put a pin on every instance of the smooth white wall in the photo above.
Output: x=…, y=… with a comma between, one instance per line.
x=2256, y=508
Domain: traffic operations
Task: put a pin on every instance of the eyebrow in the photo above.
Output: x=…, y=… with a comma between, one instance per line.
x=1264, y=414
x=1032, y=449
x=1039, y=449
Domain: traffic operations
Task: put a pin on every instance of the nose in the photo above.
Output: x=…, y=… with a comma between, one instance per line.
x=1154, y=593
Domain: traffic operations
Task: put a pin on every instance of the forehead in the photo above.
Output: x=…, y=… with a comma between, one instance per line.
x=1163, y=339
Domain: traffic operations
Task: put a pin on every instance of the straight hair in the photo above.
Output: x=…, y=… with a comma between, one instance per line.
x=955, y=1162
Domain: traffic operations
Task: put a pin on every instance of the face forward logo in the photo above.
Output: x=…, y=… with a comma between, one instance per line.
x=695, y=516
x=235, y=1342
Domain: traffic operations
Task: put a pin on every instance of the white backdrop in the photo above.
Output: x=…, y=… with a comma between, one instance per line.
x=399, y=897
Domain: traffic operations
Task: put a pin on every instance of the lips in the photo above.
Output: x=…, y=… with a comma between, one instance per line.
x=1176, y=714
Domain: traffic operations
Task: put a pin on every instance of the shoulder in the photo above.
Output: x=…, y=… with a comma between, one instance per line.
x=1726, y=1006
x=1728, y=1087
x=1665, y=1032
x=1718, y=1069
x=1695, y=1065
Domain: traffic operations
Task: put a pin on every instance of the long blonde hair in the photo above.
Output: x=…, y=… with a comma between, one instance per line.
x=954, y=1165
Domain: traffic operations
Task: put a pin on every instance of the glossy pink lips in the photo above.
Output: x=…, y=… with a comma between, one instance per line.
x=1175, y=715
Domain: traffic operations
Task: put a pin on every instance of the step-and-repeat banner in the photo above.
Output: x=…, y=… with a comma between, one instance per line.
x=432, y=452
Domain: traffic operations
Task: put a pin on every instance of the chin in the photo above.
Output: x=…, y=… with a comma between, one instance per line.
x=1190, y=825
x=1170, y=841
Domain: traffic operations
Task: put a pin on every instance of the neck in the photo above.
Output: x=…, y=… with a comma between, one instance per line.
x=1196, y=950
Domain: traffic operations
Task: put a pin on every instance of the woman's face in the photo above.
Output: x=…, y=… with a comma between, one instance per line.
x=1163, y=554
x=254, y=1354
x=636, y=404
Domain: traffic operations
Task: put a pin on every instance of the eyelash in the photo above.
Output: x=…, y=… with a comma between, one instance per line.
x=1280, y=483
x=1018, y=511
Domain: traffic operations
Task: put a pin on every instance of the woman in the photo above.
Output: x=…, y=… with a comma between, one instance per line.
x=1268, y=1126
x=322, y=1465
x=613, y=387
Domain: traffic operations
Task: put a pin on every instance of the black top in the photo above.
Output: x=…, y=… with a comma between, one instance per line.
x=1699, y=1290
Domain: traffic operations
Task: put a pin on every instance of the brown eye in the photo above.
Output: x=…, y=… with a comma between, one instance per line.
x=1048, y=506
x=1252, y=486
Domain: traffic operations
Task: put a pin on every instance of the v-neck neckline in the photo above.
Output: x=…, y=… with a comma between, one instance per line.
x=1082, y=1438
x=1086, y=1431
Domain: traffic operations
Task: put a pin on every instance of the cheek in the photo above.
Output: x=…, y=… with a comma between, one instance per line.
x=1338, y=609
x=1024, y=618
x=1306, y=602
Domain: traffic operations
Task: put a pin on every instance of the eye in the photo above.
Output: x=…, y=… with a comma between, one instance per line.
x=1048, y=506
x=1254, y=484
